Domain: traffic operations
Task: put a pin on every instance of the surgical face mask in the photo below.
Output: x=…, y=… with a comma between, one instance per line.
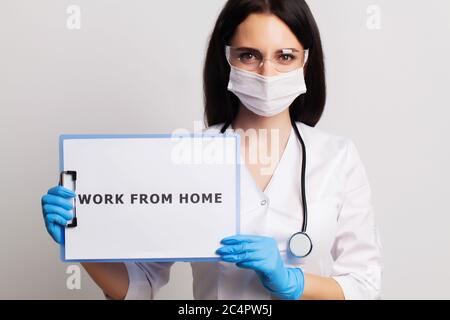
x=266, y=96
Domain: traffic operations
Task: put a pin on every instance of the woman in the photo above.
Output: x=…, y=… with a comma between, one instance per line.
x=264, y=73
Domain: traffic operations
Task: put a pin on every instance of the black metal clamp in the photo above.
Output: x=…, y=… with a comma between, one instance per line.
x=73, y=175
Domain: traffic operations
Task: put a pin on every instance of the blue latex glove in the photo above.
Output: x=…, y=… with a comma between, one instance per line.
x=57, y=211
x=261, y=254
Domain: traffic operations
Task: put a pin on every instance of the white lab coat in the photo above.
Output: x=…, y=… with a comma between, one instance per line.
x=341, y=224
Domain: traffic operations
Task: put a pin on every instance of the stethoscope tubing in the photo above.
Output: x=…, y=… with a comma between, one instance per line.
x=304, y=205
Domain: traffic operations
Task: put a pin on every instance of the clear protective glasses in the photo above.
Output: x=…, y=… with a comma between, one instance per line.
x=251, y=59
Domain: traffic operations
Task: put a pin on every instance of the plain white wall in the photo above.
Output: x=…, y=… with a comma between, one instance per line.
x=135, y=67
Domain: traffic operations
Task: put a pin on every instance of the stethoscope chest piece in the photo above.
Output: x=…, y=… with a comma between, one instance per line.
x=300, y=244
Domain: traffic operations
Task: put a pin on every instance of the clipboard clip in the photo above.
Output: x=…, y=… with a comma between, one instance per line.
x=70, y=184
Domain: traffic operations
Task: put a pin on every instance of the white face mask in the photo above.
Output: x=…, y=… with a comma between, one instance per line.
x=266, y=96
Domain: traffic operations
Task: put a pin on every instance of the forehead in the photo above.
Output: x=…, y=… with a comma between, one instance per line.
x=266, y=32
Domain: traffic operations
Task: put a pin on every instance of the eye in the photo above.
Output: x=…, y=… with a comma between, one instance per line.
x=286, y=58
x=246, y=56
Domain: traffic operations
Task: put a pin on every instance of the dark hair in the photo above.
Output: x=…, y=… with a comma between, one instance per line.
x=222, y=105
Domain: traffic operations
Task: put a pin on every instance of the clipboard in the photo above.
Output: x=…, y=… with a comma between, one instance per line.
x=75, y=178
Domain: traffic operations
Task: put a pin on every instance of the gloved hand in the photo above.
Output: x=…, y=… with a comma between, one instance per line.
x=261, y=254
x=57, y=211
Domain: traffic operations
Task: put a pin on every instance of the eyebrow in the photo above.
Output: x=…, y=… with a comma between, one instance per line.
x=279, y=50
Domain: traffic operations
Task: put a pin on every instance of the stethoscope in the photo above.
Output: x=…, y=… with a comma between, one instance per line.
x=300, y=244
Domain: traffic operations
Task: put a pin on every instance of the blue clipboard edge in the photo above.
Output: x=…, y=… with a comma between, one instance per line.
x=236, y=136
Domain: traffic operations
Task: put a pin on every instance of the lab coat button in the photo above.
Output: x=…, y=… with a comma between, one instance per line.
x=263, y=202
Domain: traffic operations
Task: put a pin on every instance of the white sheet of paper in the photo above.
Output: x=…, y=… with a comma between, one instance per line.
x=149, y=167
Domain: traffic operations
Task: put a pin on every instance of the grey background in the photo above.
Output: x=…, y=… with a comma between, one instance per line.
x=135, y=67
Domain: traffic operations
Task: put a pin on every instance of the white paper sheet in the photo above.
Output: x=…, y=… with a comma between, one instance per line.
x=156, y=169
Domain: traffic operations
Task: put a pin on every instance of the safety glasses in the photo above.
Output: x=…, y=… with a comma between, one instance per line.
x=251, y=59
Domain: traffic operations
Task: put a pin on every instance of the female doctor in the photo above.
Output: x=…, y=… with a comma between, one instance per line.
x=264, y=77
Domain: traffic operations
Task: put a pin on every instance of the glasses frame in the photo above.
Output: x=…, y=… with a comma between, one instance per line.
x=228, y=53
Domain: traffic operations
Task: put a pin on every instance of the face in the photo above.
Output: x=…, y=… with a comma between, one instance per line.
x=268, y=34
